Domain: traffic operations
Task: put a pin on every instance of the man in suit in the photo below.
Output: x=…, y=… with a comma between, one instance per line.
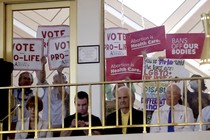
x=124, y=114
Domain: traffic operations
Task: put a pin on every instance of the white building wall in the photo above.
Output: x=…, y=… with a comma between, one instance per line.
x=89, y=33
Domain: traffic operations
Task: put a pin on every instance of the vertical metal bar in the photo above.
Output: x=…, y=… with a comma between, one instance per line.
x=144, y=108
x=200, y=103
x=76, y=105
x=103, y=105
x=63, y=94
x=90, y=110
x=22, y=109
x=49, y=107
x=130, y=102
x=36, y=113
x=158, y=100
x=117, y=107
x=9, y=108
x=172, y=101
x=1, y=130
x=185, y=100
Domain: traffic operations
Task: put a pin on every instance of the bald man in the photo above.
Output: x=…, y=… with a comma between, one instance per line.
x=124, y=114
x=173, y=95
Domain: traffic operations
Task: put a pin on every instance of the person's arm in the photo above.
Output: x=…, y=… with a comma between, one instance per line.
x=60, y=70
x=68, y=132
x=96, y=132
x=41, y=75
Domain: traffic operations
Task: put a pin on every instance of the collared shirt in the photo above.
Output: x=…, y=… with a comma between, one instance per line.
x=124, y=118
x=205, y=118
x=179, y=117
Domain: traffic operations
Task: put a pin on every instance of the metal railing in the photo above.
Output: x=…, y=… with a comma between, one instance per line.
x=101, y=86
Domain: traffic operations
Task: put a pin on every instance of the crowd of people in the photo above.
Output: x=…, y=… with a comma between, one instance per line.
x=171, y=113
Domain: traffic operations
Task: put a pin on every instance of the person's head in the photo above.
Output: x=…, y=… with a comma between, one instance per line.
x=124, y=97
x=194, y=83
x=30, y=105
x=118, y=85
x=25, y=79
x=57, y=79
x=176, y=91
x=82, y=102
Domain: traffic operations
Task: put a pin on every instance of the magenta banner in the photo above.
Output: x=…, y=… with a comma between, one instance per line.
x=185, y=45
x=149, y=40
x=119, y=68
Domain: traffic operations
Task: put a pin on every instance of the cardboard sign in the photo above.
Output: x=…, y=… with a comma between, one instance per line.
x=115, y=43
x=58, y=52
x=119, y=68
x=27, y=53
x=52, y=31
x=149, y=40
x=161, y=69
x=185, y=46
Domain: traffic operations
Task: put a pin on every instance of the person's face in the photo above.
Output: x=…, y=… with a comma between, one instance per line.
x=82, y=106
x=25, y=80
x=123, y=99
x=58, y=80
x=176, y=96
x=194, y=84
x=31, y=109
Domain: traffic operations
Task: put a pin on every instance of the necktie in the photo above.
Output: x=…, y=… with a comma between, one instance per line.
x=170, y=128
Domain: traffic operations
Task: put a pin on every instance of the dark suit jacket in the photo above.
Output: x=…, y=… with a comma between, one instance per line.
x=137, y=119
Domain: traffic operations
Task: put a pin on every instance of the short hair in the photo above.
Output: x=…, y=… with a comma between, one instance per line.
x=128, y=89
x=25, y=72
x=203, y=85
x=31, y=103
x=63, y=76
x=82, y=95
x=174, y=87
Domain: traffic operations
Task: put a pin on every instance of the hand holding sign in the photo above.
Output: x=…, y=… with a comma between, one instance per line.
x=53, y=31
x=60, y=69
x=58, y=52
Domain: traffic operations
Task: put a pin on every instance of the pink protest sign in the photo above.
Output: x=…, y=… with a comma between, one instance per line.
x=27, y=53
x=115, y=43
x=149, y=40
x=58, y=52
x=51, y=31
x=119, y=68
x=185, y=46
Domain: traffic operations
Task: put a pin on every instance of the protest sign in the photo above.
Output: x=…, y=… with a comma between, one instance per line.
x=58, y=52
x=27, y=53
x=115, y=44
x=185, y=45
x=51, y=31
x=149, y=40
x=161, y=69
x=119, y=68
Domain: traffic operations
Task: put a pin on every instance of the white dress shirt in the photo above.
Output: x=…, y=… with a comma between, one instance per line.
x=205, y=118
x=179, y=117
